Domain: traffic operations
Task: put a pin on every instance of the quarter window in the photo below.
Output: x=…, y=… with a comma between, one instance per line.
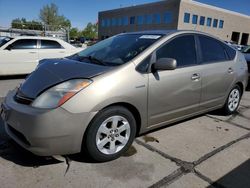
x=212, y=50
x=24, y=44
x=186, y=18
x=195, y=19
x=50, y=44
x=182, y=49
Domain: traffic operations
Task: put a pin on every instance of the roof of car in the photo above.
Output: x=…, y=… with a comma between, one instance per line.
x=165, y=32
x=35, y=37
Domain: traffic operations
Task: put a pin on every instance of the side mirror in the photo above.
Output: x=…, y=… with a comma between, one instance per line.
x=9, y=47
x=165, y=64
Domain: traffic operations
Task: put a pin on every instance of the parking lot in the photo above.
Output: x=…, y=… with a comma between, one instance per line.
x=206, y=151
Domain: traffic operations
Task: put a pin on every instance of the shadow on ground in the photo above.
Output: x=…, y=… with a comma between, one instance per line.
x=238, y=177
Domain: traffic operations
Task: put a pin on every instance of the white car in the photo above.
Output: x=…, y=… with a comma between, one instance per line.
x=20, y=55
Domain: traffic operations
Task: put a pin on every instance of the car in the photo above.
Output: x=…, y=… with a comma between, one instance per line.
x=101, y=98
x=20, y=55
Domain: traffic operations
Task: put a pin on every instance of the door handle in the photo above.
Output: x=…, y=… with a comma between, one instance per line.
x=32, y=52
x=195, y=77
x=61, y=52
x=230, y=70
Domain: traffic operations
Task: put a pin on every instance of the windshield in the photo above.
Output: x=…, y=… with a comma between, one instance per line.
x=117, y=50
x=4, y=40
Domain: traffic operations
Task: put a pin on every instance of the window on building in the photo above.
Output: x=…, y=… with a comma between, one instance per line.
x=113, y=22
x=149, y=19
x=209, y=22
x=202, y=20
x=221, y=24
x=108, y=22
x=139, y=20
x=119, y=21
x=103, y=23
x=182, y=49
x=212, y=50
x=157, y=18
x=186, y=17
x=215, y=23
x=167, y=17
x=132, y=20
x=125, y=20
x=195, y=19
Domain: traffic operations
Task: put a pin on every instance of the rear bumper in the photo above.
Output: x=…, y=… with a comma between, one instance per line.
x=45, y=132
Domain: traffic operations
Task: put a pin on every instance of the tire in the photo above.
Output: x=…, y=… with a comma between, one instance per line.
x=233, y=101
x=110, y=133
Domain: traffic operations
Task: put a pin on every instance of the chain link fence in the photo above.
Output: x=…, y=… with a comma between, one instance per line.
x=31, y=29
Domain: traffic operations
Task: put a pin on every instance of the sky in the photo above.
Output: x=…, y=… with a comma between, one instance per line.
x=80, y=12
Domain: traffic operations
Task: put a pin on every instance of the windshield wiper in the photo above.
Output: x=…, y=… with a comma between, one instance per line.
x=93, y=59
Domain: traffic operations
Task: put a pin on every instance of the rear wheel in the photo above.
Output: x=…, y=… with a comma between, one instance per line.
x=110, y=134
x=233, y=101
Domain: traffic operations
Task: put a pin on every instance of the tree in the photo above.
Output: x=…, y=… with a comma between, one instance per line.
x=50, y=16
x=74, y=33
x=24, y=24
x=90, y=31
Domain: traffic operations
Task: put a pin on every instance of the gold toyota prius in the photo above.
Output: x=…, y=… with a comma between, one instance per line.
x=100, y=99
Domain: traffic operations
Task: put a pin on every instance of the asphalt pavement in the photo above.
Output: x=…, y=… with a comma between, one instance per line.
x=210, y=150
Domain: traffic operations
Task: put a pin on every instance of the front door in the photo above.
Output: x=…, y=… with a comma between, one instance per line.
x=175, y=93
x=20, y=57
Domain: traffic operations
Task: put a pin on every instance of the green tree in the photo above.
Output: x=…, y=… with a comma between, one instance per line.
x=24, y=24
x=74, y=33
x=90, y=31
x=50, y=16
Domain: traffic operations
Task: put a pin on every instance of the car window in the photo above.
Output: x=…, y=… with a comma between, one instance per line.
x=182, y=49
x=144, y=65
x=230, y=52
x=24, y=44
x=212, y=50
x=50, y=44
x=4, y=40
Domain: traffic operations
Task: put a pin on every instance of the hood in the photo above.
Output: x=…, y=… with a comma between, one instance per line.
x=51, y=72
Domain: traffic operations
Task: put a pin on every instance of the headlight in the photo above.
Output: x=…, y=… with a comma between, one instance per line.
x=59, y=94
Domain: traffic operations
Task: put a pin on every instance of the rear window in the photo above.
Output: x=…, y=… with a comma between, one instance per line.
x=50, y=44
x=212, y=50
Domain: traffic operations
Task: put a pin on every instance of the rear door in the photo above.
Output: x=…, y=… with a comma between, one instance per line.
x=19, y=57
x=51, y=49
x=217, y=73
x=174, y=94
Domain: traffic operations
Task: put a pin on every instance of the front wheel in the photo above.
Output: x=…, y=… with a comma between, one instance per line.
x=233, y=101
x=110, y=134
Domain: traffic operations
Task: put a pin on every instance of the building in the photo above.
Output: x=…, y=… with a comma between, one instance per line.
x=177, y=14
